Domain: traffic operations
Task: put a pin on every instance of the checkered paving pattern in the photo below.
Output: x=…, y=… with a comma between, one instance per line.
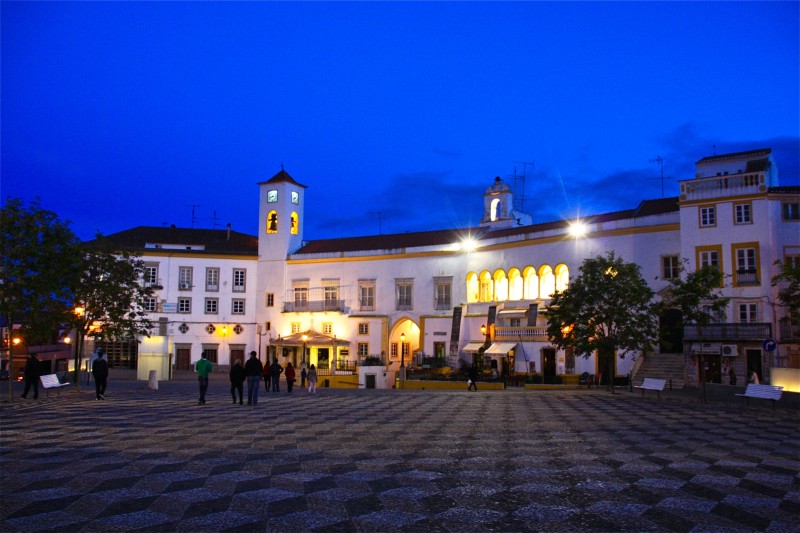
x=396, y=461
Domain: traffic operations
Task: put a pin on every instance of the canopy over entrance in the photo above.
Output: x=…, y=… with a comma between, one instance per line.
x=501, y=348
x=313, y=338
x=472, y=347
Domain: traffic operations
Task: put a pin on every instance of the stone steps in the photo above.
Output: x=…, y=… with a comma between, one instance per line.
x=663, y=366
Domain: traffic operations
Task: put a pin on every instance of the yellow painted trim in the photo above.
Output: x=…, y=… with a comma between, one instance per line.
x=743, y=246
x=710, y=248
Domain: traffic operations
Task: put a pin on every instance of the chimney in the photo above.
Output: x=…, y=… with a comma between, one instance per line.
x=229, y=231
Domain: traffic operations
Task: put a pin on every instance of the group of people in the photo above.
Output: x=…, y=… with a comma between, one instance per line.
x=33, y=371
x=252, y=372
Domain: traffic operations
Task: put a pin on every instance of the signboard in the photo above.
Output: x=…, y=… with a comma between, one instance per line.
x=770, y=345
x=170, y=308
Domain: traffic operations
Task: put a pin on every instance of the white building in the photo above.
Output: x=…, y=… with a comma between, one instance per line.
x=418, y=298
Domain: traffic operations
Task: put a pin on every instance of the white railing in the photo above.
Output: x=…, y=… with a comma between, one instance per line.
x=521, y=333
x=729, y=185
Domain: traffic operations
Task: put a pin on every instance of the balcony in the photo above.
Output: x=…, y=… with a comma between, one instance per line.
x=314, y=306
x=747, y=277
x=521, y=333
x=721, y=186
x=754, y=331
x=789, y=331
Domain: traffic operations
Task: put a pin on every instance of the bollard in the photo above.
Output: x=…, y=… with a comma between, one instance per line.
x=152, y=382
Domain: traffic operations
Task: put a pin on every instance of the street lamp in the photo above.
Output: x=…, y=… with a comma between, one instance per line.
x=303, y=355
x=402, y=350
x=79, y=325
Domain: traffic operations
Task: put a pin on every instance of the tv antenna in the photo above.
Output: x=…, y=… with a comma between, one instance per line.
x=660, y=160
x=519, y=185
x=194, y=208
x=380, y=216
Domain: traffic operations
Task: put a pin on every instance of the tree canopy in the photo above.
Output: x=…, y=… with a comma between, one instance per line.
x=697, y=295
x=788, y=282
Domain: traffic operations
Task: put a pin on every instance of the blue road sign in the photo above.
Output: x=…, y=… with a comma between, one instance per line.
x=770, y=345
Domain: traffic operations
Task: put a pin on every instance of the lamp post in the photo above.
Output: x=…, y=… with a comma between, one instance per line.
x=224, y=333
x=80, y=312
x=402, y=357
x=259, y=332
x=303, y=355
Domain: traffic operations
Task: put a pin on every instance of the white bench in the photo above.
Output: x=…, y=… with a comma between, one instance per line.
x=655, y=384
x=51, y=381
x=765, y=392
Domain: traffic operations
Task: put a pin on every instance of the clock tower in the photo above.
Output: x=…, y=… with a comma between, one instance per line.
x=280, y=215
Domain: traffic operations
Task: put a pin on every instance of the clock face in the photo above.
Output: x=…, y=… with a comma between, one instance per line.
x=295, y=197
x=272, y=196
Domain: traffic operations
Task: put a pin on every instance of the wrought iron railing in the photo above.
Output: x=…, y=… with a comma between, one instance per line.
x=728, y=332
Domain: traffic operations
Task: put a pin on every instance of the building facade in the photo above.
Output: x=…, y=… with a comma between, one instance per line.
x=455, y=297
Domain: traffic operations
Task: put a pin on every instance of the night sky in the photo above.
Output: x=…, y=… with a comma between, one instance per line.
x=130, y=113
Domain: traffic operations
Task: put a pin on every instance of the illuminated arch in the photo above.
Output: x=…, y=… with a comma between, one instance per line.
x=472, y=287
x=547, y=281
x=293, y=223
x=515, y=289
x=272, y=222
x=562, y=277
x=493, y=209
x=485, y=287
x=530, y=283
x=500, y=285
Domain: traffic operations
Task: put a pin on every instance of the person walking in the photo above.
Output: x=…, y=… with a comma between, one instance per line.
x=254, y=368
x=275, y=372
x=473, y=378
x=753, y=377
x=203, y=367
x=33, y=369
x=267, y=379
x=303, y=376
x=289, y=376
x=237, y=374
x=100, y=375
x=312, y=379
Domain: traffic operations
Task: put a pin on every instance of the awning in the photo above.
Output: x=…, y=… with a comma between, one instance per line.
x=472, y=347
x=501, y=348
x=512, y=313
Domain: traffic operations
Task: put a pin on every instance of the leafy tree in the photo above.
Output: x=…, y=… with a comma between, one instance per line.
x=607, y=308
x=788, y=279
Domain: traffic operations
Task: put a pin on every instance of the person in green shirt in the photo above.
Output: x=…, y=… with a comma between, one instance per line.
x=203, y=368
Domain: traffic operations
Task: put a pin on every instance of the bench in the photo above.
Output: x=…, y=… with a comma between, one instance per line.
x=765, y=392
x=655, y=384
x=51, y=381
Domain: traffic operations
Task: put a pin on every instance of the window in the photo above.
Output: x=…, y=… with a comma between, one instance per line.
x=748, y=313
x=149, y=304
x=212, y=306
x=293, y=224
x=272, y=221
x=742, y=214
x=300, y=298
x=270, y=299
x=237, y=306
x=442, y=292
x=363, y=328
x=330, y=292
x=670, y=266
x=327, y=328
x=185, y=278
x=363, y=349
x=366, y=295
x=404, y=289
x=708, y=217
x=791, y=211
x=393, y=351
x=151, y=275
x=212, y=279
x=515, y=323
x=295, y=327
x=709, y=258
x=238, y=279
x=746, y=265
x=184, y=305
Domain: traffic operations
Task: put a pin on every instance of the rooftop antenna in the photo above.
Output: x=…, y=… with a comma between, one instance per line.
x=660, y=160
x=194, y=207
x=379, y=215
x=519, y=192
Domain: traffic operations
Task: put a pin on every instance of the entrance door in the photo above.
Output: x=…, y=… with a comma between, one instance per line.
x=754, y=363
x=549, y=365
x=237, y=353
x=370, y=381
x=323, y=358
x=713, y=373
x=671, y=329
x=184, y=359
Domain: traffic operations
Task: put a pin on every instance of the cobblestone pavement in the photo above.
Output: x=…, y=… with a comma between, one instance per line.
x=358, y=460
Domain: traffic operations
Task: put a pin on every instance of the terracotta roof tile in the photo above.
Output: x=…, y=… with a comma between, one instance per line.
x=212, y=240
x=735, y=155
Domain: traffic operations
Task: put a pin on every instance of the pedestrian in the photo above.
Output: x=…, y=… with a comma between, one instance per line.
x=33, y=369
x=303, y=376
x=203, y=367
x=732, y=375
x=100, y=375
x=312, y=380
x=473, y=378
x=289, y=376
x=275, y=371
x=753, y=377
x=254, y=368
x=267, y=379
x=238, y=374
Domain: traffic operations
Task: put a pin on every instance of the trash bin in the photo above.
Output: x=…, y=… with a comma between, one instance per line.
x=152, y=382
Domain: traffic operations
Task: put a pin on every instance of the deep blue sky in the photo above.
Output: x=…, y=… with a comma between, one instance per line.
x=126, y=113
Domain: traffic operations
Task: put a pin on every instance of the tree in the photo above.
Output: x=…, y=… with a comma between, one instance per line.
x=788, y=279
x=697, y=296
x=37, y=258
x=606, y=309
x=110, y=294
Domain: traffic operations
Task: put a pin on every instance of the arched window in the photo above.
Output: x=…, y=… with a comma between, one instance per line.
x=485, y=288
x=562, y=277
x=272, y=222
x=500, y=286
x=293, y=223
x=547, y=282
x=530, y=283
x=494, y=207
x=472, y=287
x=514, y=284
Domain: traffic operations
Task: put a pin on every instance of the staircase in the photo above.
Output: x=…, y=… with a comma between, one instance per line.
x=669, y=366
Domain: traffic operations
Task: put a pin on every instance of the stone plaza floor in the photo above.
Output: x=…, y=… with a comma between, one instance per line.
x=367, y=460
